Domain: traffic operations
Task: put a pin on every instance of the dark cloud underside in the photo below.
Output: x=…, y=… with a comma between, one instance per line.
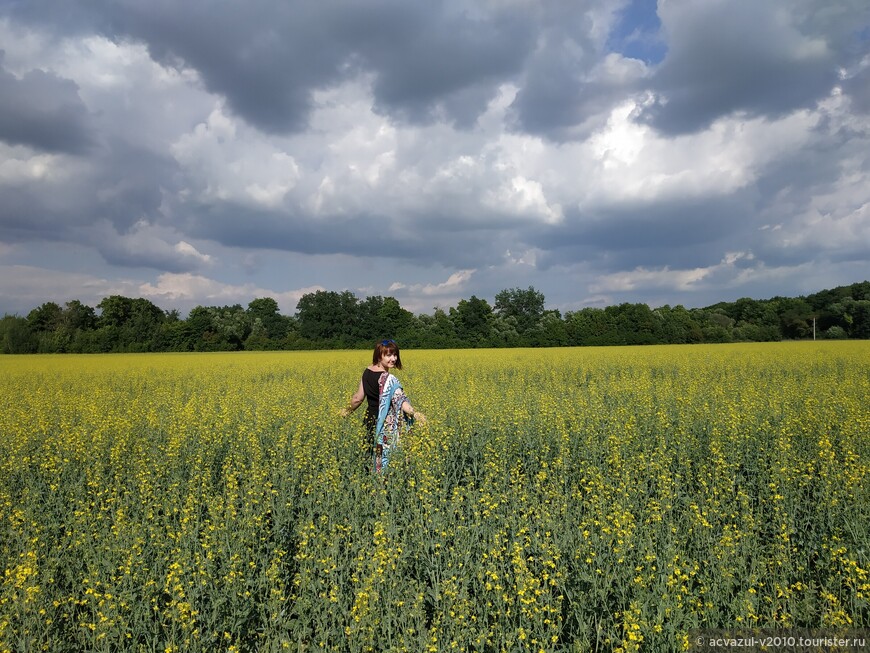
x=268, y=57
x=722, y=61
x=44, y=112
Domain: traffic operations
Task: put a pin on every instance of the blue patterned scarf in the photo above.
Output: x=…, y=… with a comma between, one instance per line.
x=390, y=418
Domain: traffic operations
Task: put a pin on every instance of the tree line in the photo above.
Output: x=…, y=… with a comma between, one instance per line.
x=341, y=320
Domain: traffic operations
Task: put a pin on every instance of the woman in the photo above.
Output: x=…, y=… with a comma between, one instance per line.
x=388, y=408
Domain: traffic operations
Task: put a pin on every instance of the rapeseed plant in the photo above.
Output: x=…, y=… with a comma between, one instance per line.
x=557, y=500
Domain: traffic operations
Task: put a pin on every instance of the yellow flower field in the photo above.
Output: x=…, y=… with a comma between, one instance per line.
x=557, y=500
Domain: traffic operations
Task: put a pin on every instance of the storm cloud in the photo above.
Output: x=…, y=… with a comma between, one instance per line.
x=684, y=152
x=42, y=111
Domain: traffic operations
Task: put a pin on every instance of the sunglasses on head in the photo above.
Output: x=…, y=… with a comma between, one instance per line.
x=388, y=342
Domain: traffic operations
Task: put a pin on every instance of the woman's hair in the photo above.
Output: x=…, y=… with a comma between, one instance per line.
x=386, y=347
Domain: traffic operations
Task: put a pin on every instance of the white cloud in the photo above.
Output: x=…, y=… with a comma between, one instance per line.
x=358, y=143
x=128, y=92
x=836, y=215
x=21, y=165
x=523, y=197
x=527, y=257
x=830, y=222
x=630, y=162
x=190, y=289
x=227, y=161
x=146, y=244
x=642, y=278
x=616, y=69
x=186, y=249
x=28, y=286
x=421, y=297
x=455, y=282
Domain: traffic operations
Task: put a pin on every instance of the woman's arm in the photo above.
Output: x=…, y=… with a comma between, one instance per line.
x=355, y=401
x=408, y=409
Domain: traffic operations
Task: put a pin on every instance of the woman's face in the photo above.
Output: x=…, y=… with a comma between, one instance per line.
x=388, y=360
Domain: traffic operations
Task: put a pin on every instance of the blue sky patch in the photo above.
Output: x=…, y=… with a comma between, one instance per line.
x=637, y=33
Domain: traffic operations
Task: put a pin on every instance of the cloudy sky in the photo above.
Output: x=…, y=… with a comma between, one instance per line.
x=210, y=152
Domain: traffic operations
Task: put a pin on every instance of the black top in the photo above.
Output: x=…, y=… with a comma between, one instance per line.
x=372, y=391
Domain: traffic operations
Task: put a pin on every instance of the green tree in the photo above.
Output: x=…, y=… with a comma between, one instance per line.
x=77, y=324
x=795, y=317
x=860, y=323
x=329, y=316
x=16, y=336
x=128, y=324
x=47, y=317
x=395, y=320
x=115, y=311
x=526, y=306
x=369, y=324
x=591, y=327
x=45, y=323
x=505, y=333
x=678, y=326
x=472, y=319
x=550, y=331
x=258, y=339
x=265, y=309
x=78, y=316
x=198, y=333
x=142, y=331
x=231, y=325
x=635, y=323
x=436, y=331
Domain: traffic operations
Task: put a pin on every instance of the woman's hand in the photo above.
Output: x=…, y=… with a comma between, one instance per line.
x=408, y=409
